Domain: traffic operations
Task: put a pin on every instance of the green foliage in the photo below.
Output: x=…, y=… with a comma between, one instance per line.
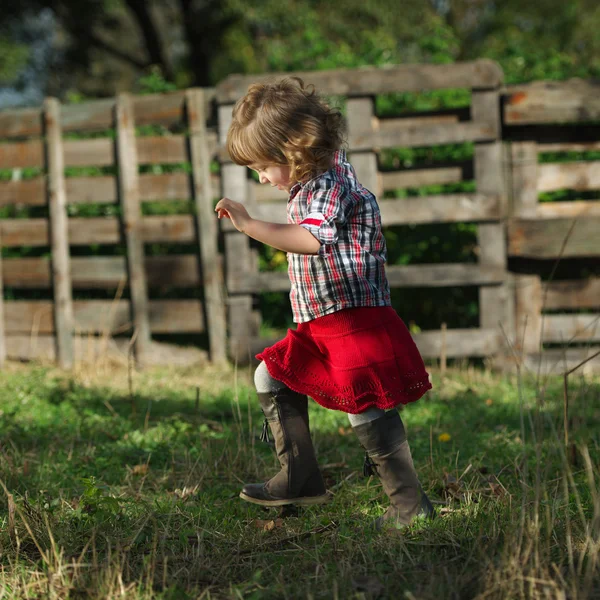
x=13, y=57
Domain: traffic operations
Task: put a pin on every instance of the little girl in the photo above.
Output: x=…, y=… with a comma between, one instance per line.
x=350, y=351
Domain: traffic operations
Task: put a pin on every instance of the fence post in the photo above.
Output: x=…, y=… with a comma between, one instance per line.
x=59, y=234
x=528, y=310
x=129, y=197
x=206, y=225
x=495, y=302
x=361, y=118
x=238, y=258
x=524, y=179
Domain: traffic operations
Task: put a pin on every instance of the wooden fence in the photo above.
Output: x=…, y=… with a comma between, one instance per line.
x=367, y=136
x=509, y=129
x=39, y=144
x=553, y=119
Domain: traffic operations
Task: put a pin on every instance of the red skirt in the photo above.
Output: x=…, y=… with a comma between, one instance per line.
x=351, y=360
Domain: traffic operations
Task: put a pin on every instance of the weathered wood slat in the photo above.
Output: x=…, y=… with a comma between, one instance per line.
x=571, y=328
x=572, y=209
x=129, y=198
x=27, y=193
x=206, y=223
x=557, y=361
x=528, y=313
x=160, y=109
x=576, y=293
x=105, y=316
x=368, y=81
x=91, y=349
x=18, y=155
x=105, y=230
x=104, y=272
x=447, y=208
x=440, y=275
x=544, y=239
x=59, y=238
x=553, y=102
x=101, y=189
x=569, y=175
x=524, y=178
x=434, y=175
x=392, y=133
x=99, y=152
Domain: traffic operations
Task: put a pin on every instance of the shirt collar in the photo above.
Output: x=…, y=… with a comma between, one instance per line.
x=339, y=158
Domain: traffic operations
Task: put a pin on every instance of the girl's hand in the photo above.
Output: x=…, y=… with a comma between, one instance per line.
x=235, y=211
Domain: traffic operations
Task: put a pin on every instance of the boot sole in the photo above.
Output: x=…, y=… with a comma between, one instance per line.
x=303, y=501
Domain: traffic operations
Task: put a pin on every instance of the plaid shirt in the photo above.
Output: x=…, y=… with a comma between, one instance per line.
x=348, y=271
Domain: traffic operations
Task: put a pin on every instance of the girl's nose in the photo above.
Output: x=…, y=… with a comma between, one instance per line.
x=262, y=178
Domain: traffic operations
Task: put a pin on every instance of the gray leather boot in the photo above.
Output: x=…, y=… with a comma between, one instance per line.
x=388, y=455
x=299, y=481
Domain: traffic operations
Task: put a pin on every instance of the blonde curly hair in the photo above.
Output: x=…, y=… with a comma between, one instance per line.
x=285, y=123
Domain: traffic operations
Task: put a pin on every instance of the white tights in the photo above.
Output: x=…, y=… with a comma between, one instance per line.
x=265, y=383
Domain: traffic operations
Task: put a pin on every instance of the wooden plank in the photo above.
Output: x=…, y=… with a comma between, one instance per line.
x=59, y=234
x=584, y=175
x=365, y=81
x=104, y=272
x=495, y=303
x=528, y=313
x=571, y=328
x=573, y=293
x=206, y=223
x=2, y=326
x=524, y=178
x=158, y=109
x=571, y=209
x=93, y=350
x=101, y=189
x=544, y=239
x=27, y=193
x=362, y=121
x=434, y=175
x=557, y=361
x=574, y=100
x=129, y=198
x=21, y=154
x=97, y=152
x=105, y=316
x=102, y=230
x=238, y=258
x=392, y=133
x=440, y=275
x=446, y=208
x=20, y=122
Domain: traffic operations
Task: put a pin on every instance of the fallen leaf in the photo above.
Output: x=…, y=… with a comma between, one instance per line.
x=489, y=402
x=268, y=524
x=140, y=469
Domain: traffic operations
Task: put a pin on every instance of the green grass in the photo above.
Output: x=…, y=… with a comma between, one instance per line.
x=113, y=495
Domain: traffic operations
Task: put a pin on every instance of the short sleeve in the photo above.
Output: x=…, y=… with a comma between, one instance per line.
x=329, y=205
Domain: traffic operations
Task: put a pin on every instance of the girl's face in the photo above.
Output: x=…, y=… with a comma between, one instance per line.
x=277, y=175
